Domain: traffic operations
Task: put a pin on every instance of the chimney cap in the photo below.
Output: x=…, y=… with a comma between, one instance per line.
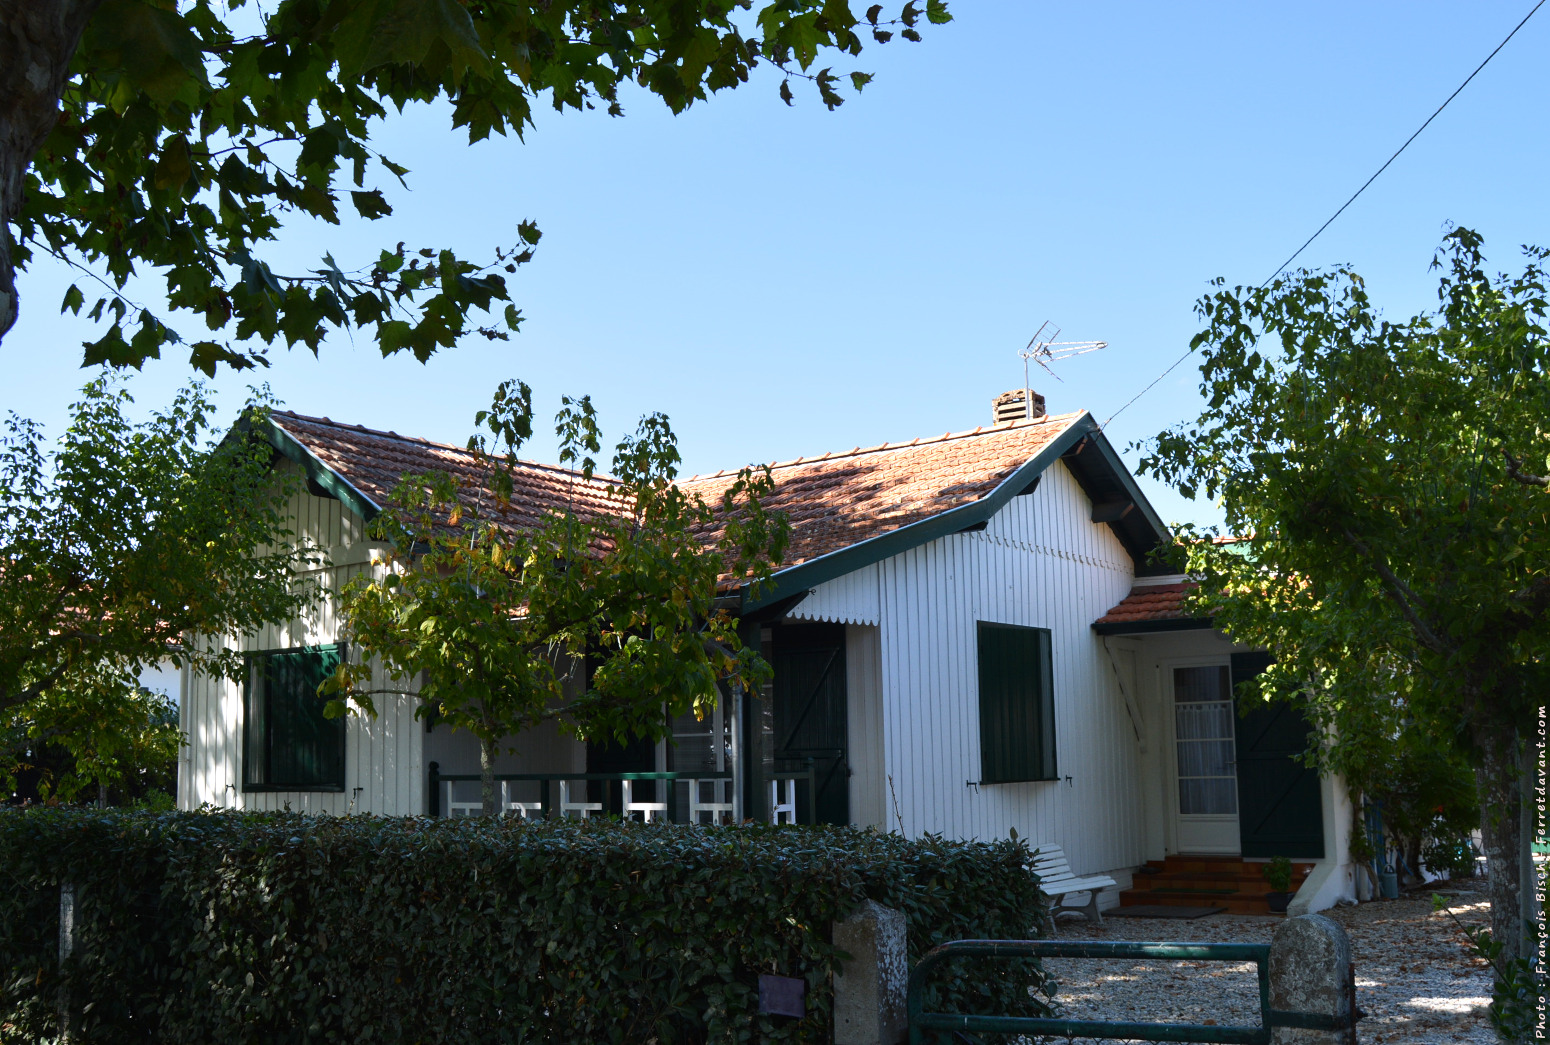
x=1014, y=405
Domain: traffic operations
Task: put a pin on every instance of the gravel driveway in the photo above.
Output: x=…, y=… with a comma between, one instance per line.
x=1415, y=977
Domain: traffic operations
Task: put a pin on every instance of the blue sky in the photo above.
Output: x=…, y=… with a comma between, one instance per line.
x=787, y=281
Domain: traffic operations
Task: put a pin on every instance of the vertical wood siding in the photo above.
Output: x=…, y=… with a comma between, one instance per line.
x=851, y=599
x=1041, y=563
x=384, y=756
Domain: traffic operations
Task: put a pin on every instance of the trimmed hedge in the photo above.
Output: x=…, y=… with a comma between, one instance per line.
x=232, y=927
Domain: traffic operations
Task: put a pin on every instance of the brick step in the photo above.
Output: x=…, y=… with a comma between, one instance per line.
x=1195, y=880
x=1231, y=883
x=1188, y=885
x=1235, y=903
x=1233, y=870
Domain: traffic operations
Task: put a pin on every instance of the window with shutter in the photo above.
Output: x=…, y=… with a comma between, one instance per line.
x=1017, y=704
x=287, y=743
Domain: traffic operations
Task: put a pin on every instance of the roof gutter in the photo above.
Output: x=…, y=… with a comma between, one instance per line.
x=1152, y=627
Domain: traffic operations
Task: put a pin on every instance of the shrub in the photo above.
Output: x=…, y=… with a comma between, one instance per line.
x=1278, y=873
x=235, y=927
x=1454, y=858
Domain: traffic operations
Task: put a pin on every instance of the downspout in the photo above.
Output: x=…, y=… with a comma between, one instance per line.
x=1137, y=723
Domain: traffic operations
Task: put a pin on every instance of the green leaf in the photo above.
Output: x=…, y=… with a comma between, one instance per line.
x=321, y=147
x=173, y=168
x=407, y=32
x=144, y=47
x=73, y=300
x=371, y=205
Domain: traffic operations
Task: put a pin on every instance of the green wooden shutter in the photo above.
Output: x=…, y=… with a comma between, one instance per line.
x=289, y=744
x=1017, y=704
x=1280, y=807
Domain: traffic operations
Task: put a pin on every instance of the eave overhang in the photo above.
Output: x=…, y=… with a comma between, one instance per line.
x=323, y=480
x=1152, y=627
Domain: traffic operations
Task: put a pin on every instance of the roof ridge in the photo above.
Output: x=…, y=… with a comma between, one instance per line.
x=931, y=439
x=417, y=440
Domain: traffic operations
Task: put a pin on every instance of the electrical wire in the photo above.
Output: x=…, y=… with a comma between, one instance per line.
x=1296, y=253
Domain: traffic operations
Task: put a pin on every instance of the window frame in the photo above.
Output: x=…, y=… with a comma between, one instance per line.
x=999, y=758
x=253, y=658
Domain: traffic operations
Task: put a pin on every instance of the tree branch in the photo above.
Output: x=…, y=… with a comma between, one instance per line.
x=1401, y=594
x=1515, y=470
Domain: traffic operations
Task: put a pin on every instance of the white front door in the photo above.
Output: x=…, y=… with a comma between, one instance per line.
x=1205, y=765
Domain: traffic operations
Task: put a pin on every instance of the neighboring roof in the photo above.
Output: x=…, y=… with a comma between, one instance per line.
x=847, y=510
x=361, y=466
x=1156, y=607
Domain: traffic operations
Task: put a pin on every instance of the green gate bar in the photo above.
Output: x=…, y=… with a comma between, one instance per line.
x=1258, y=953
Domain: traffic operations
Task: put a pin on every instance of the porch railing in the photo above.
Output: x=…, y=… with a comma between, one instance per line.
x=693, y=798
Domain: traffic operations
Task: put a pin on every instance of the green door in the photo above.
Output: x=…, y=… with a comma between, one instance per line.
x=810, y=714
x=1280, y=810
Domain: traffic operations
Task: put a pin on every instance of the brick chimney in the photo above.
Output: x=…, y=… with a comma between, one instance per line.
x=1012, y=406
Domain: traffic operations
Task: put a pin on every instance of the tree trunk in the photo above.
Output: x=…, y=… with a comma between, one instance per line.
x=37, y=40
x=487, y=804
x=1501, y=829
x=102, y=794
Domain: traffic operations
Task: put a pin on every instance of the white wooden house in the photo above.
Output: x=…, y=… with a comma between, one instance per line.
x=970, y=636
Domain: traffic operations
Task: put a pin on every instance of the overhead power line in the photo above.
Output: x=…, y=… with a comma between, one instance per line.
x=1296, y=253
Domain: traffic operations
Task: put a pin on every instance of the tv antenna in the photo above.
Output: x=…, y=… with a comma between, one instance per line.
x=1044, y=349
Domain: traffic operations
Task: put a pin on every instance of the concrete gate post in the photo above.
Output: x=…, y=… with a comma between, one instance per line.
x=1312, y=985
x=869, y=991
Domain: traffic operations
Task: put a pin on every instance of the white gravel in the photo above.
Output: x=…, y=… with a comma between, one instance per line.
x=1416, y=979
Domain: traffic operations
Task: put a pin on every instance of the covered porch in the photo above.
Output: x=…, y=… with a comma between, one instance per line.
x=1227, y=789
x=777, y=756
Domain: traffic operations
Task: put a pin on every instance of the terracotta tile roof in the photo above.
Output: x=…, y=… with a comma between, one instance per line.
x=1153, y=602
x=832, y=501
x=373, y=461
x=838, y=500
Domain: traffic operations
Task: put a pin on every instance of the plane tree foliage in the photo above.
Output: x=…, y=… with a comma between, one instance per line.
x=601, y=615
x=103, y=735
x=122, y=546
x=1390, y=476
x=178, y=137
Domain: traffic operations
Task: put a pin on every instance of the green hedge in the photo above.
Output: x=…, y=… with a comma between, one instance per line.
x=224, y=927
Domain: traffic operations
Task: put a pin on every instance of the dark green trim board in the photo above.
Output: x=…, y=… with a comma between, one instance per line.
x=1139, y=530
x=321, y=479
x=1152, y=627
x=1016, y=704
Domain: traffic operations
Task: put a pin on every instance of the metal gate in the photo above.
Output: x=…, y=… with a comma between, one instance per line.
x=922, y=1023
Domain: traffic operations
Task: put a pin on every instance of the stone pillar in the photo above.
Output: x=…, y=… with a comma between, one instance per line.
x=869, y=989
x=1311, y=983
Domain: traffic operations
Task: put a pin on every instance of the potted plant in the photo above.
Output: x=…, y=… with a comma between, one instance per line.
x=1278, y=873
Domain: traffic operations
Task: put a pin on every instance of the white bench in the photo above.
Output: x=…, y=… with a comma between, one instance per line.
x=1057, y=882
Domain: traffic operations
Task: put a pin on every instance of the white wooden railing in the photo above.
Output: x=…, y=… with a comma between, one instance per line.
x=690, y=798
